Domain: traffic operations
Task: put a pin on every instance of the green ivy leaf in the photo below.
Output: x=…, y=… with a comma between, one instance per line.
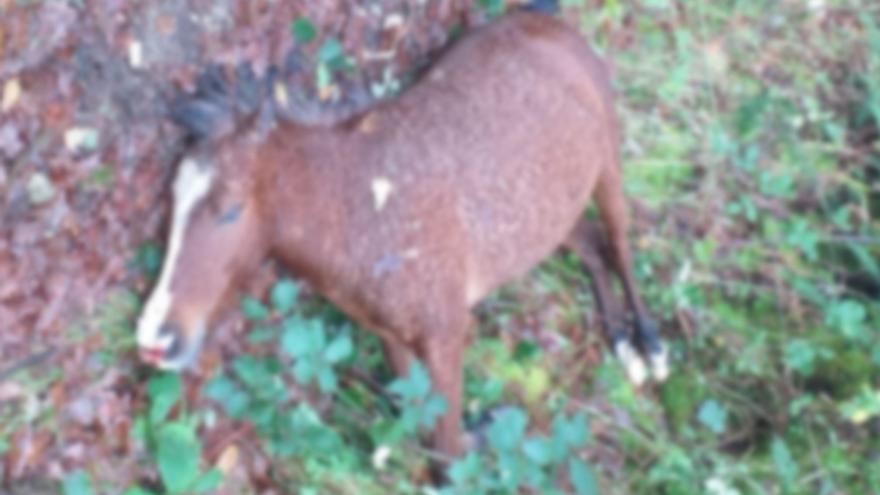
x=570, y=433
x=303, y=337
x=863, y=406
x=253, y=309
x=311, y=434
x=326, y=379
x=415, y=386
x=508, y=428
x=163, y=389
x=800, y=355
x=331, y=51
x=849, y=317
x=713, y=416
x=77, y=483
x=468, y=467
x=149, y=259
x=435, y=406
x=253, y=371
x=512, y=467
x=339, y=349
x=419, y=405
x=283, y=295
x=582, y=477
x=220, y=388
x=786, y=467
x=208, y=482
x=806, y=238
x=137, y=490
x=539, y=450
x=493, y=8
x=525, y=351
x=303, y=30
x=293, y=339
x=262, y=333
x=177, y=455
x=262, y=414
x=303, y=370
x=227, y=392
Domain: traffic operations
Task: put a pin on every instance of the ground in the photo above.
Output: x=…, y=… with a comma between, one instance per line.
x=752, y=166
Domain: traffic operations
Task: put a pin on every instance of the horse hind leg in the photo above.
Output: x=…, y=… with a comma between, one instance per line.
x=586, y=242
x=612, y=209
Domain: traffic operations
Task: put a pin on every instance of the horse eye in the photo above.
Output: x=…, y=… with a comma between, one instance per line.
x=230, y=215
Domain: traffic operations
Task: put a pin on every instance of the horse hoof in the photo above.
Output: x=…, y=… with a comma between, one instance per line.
x=659, y=361
x=632, y=362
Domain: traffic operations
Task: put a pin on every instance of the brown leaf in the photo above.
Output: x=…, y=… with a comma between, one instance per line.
x=228, y=459
x=10, y=391
x=11, y=94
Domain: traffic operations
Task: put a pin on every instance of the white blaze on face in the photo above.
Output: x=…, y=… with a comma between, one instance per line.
x=190, y=186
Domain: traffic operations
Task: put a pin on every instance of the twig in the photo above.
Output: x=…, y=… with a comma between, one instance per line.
x=358, y=375
x=53, y=308
x=32, y=360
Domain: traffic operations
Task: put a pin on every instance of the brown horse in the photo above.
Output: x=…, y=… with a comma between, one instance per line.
x=406, y=215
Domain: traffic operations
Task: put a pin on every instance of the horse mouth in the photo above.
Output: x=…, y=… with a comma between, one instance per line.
x=172, y=354
x=151, y=355
x=159, y=358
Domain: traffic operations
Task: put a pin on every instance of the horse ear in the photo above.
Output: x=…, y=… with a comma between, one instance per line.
x=247, y=90
x=208, y=114
x=213, y=83
x=203, y=119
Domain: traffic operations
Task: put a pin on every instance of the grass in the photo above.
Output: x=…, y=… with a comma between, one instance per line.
x=744, y=137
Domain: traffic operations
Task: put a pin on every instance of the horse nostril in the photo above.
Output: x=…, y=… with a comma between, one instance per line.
x=175, y=348
x=169, y=330
x=176, y=338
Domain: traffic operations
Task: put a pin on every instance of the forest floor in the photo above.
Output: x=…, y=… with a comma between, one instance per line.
x=752, y=165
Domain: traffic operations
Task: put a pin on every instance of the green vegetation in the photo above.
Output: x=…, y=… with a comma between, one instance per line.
x=751, y=156
x=751, y=136
x=339, y=448
x=173, y=443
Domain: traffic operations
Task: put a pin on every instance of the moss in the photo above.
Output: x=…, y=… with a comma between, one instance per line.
x=843, y=376
x=680, y=395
